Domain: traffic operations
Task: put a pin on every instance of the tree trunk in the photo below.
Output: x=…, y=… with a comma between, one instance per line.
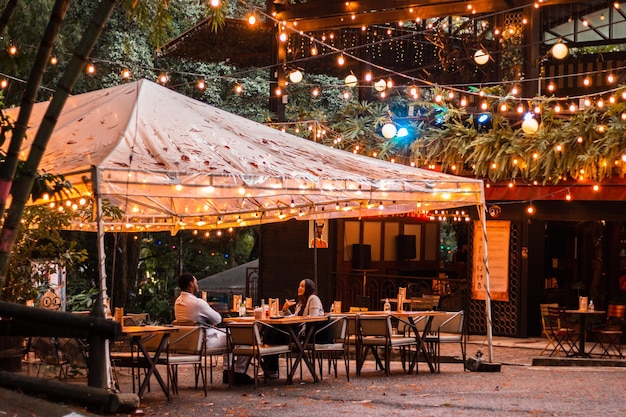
x=6, y=15
x=23, y=185
x=8, y=168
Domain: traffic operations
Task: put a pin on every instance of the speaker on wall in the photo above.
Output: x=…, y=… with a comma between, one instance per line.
x=361, y=256
x=405, y=247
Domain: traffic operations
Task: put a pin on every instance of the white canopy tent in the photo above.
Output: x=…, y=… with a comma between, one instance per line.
x=170, y=162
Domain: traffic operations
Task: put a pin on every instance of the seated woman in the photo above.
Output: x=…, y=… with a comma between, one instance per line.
x=308, y=304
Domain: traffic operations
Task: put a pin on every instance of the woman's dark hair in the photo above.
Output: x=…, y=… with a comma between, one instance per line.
x=309, y=290
x=184, y=280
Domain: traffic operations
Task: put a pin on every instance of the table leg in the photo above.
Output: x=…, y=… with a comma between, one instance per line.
x=151, y=362
x=300, y=346
x=583, y=336
x=422, y=345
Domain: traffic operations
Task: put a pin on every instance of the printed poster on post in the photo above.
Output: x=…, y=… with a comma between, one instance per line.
x=498, y=235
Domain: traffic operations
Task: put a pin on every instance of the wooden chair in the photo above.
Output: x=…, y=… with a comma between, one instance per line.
x=545, y=331
x=335, y=344
x=448, y=328
x=375, y=332
x=609, y=337
x=566, y=338
x=246, y=340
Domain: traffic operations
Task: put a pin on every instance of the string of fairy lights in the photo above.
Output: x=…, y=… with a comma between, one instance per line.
x=384, y=85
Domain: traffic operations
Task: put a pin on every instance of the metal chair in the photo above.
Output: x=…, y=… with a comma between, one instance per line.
x=187, y=347
x=448, y=328
x=246, y=340
x=609, y=337
x=375, y=332
x=546, y=332
x=334, y=344
x=566, y=338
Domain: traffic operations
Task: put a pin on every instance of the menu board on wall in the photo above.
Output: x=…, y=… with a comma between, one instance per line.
x=498, y=234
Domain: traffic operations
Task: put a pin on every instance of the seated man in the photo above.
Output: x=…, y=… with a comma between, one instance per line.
x=188, y=308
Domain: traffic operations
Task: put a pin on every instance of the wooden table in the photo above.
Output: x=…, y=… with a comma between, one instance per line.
x=583, y=314
x=292, y=325
x=138, y=335
x=410, y=316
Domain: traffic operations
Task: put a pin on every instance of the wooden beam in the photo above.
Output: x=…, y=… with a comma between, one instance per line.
x=317, y=16
x=43, y=320
x=101, y=398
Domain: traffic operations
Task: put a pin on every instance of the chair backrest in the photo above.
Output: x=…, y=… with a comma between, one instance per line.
x=454, y=322
x=433, y=300
x=339, y=329
x=421, y=303
x=374, y=325
x=242, y=335
x=546, y=323
x=616, y=311
x=615, y=316
x=188, y=340
x=136, y=319
x=553, y=319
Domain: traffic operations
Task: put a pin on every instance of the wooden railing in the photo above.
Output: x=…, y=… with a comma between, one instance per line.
x=21, y=321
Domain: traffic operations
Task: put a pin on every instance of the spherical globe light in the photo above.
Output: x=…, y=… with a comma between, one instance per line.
x=351, y=80
x=481, y=57
x=530, y=126
x=295, y=76
x=380, y=85
x=389, y=130
x=559, y=50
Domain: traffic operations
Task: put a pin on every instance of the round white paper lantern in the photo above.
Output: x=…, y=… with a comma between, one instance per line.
x=481, y=57
x=559, y=50
x=380, y=85
x=351, y=80
x=389, y=130
x=295, y=76
x=530, y=126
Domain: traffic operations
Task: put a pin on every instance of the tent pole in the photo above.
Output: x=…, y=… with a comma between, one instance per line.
x=483, y=224
x=101, y=264
x=315, y=254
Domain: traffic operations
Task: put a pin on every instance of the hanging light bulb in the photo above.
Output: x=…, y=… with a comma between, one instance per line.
x=380, y=85
x=125, y=74
x=559, y=50
x=351, y=80
x=530, y=124
x=53, y=60
x=295, y=76
x=90, y=69
x=481, y=57
x=389, y=130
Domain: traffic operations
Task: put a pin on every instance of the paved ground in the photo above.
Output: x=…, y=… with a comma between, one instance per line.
x=519, y=389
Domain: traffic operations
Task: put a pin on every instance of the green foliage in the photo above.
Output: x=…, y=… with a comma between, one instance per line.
x=82, y=301
x=585, y=144
x=39, y=248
